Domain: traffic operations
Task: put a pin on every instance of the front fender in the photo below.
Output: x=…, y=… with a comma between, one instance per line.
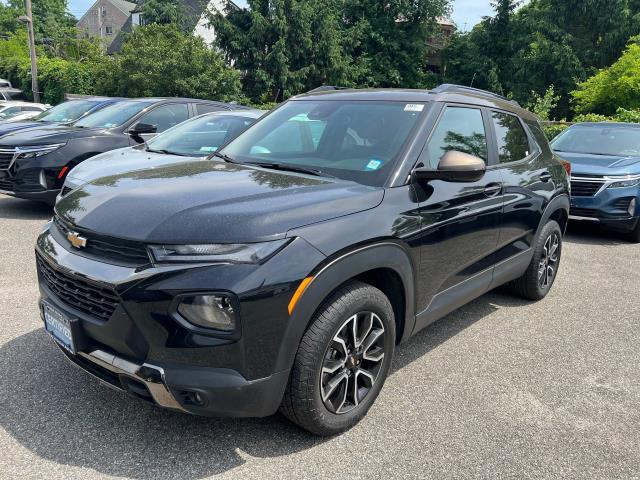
x=332, y=273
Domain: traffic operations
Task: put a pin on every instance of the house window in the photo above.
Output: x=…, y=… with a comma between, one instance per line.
x=109, y=30
x=104, y=11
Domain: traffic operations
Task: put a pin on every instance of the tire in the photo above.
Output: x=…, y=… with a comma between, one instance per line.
x=320, y=363
x=532, y=285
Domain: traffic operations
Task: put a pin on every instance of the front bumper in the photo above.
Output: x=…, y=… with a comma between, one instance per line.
x=609, y=207
x=141, y=349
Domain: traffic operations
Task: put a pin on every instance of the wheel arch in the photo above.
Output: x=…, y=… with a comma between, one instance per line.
x=557, y=209
x=385, y=265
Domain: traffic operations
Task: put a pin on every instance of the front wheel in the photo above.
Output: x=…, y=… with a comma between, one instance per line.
x=342, y=361
x=635, y=233
x=537, y=281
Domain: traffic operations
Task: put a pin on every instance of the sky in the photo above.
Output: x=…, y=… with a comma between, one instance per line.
x=466, y=13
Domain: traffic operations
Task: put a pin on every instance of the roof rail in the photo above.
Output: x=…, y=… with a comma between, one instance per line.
x=326, y=88
x=451, y=88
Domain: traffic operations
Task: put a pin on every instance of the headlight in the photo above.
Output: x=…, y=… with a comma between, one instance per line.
x=209, y=311
x=37, y=151
x=217, y=253
x=625, y=183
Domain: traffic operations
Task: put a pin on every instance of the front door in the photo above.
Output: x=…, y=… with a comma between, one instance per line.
x=460, y=222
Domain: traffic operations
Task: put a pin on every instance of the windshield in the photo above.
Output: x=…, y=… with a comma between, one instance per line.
x=67, y=111
x=353, y=140
x=201, y=136
x=113, y=115
x=599, y=140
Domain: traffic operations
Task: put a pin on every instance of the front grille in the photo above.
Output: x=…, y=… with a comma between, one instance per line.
x=91, y=298
x=107, y=249
x=584, y=212
x=6, y=156
x=581, y=188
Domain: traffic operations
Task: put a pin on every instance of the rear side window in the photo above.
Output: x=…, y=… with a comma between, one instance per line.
x=206, y=108
x=513, y=142
x=460, y=129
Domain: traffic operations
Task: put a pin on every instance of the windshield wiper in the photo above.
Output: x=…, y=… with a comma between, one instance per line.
x=292, y=168
x=167, y=152
x=224, y=157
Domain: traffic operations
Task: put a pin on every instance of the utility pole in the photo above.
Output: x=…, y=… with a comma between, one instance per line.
x=28, y=19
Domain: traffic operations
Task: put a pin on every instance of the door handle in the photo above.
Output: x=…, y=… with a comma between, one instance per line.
x=545, y=177
x=493, y=189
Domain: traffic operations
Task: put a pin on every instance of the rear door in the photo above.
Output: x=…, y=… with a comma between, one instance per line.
x=460, y=222
x=528, y=184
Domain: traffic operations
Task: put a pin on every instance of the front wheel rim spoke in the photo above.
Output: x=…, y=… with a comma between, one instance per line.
x=332, y=385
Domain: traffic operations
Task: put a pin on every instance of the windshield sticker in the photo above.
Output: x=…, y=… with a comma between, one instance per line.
x=373, y=165
x=208, y=149
x=413, y=107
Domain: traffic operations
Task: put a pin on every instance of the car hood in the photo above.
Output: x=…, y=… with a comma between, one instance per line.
x=120, y=161
x=211, y=202
x=585, y=164
x=48, y=134
x=8, y=127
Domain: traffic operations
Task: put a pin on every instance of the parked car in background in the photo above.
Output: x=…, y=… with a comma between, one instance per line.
x=195, y=138
x=37, y=160
x=284, y=273
x=12, y=109
x=66, y=112
x=605, y=180
x=4, y=83
x=9, y=94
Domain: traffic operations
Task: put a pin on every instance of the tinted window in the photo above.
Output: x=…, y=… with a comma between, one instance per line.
x=166, y=116
x=15, y=95
x=459, y=129
x=113, y=115
x=67, y=111
x=201, y=136
x=513, y=143
x=599, y=140
x=354, y=140
x=207, y=108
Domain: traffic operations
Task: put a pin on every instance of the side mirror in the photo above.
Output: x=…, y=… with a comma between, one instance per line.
x=143, y=128
x=454, y=166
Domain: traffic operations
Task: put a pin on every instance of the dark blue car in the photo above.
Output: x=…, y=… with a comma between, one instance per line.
x=66, y=112
x=605, y=180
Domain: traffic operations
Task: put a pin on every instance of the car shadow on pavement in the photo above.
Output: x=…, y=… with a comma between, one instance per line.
x=62, y=415
x=591, y=233
x=18, y=209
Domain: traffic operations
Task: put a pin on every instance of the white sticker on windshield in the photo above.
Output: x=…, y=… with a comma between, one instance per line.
x=414, y=107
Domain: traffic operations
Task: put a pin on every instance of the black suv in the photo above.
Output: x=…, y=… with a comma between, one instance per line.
x=40, y=158
x=283, y=273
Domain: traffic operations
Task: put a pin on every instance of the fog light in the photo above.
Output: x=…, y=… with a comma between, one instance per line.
x=632, y=207
x=209, y=311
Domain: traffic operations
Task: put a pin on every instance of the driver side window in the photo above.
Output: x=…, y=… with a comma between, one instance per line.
x=461, y=129
x=166, y=116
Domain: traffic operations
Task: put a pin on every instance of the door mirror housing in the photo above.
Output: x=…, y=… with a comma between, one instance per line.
x=454, y=166
x=143, y=128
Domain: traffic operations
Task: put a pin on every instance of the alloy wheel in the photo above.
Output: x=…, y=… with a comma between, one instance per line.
x=549, y=260
x=352, y=362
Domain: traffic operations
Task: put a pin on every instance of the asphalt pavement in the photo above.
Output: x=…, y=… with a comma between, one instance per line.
x=502, y=388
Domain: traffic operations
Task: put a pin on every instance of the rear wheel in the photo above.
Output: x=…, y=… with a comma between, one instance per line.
x=537, y=281
x=342, y=361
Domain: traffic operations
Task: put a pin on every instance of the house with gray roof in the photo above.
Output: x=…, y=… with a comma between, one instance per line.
x=105, y=19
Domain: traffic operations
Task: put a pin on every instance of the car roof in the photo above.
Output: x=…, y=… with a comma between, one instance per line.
x=10, y=89
x=443, y=93
x=186, y=100
x=14, y=103
x=236, y=113
x=607, y=124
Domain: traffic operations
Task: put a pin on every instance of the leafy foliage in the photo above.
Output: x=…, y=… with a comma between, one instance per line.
x=613, y=87
x=160, y=60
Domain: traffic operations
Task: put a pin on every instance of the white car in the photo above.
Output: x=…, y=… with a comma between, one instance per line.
x=23, y=110
x=189, y=141
x=4, y=83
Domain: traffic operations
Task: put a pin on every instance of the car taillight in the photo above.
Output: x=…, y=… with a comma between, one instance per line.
x=567, y=166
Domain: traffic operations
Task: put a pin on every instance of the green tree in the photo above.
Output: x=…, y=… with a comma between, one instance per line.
x=160, y=60
x=614, y=87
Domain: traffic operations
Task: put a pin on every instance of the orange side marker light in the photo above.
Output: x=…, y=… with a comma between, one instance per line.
x=298, y=293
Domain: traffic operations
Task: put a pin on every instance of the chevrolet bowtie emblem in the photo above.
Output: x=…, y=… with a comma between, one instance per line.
x=76, y=240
